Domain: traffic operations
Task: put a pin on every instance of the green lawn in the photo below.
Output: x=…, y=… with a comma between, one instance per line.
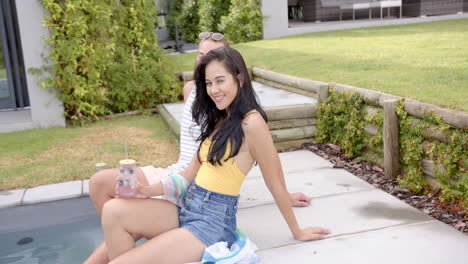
x=3, y=73
x=44, y=156
x=427, y=61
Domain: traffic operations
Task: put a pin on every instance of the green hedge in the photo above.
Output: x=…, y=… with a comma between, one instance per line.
x=104, y=57
x=188, y=21
x=210, y=13
x=244, y=21
x=239, y=20
x=175, y=8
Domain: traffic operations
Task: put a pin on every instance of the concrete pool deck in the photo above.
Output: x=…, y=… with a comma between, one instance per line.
x=368, y=225
x=45, y=193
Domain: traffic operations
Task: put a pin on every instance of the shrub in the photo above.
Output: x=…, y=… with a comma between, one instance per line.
x=188, y=21
x=140, y=77
x=175, y=8
x=210, y=13
x=104, y=57
x=244, y=21
x=341, y=121
x=81, y=50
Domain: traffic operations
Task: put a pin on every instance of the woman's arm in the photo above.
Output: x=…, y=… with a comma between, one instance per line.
x=260, y=144
x=192, y=169
x=157, y=189
x=188, y=86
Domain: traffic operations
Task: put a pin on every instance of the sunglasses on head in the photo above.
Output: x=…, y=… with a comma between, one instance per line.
x=214, y=35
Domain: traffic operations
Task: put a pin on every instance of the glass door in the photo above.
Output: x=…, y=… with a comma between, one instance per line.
x=13, y=92
x=7, y=97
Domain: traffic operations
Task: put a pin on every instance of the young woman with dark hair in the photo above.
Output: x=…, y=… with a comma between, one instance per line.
x=222, y=119
x=234, y=136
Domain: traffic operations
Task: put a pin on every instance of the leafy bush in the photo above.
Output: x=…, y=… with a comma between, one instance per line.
x=140, y=77
x=341, y=121
x=449, y=157
x=104, y=57
x=244, y=21
x=175, y=8
x=81, y=50
x=188, y=21
x=210, y=12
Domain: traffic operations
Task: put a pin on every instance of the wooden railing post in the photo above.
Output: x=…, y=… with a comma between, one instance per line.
x=390, y=138
x=322, y=93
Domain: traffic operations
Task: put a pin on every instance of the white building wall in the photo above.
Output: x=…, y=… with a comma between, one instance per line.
x=46, y=110
x=275, y=18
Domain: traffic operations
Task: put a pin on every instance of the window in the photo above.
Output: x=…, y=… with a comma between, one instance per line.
x=13, y=90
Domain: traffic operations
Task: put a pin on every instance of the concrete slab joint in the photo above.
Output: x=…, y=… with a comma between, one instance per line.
x=11, y=198
x=53, y=192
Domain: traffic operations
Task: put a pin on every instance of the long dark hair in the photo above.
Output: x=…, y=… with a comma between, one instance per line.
x=206, y=114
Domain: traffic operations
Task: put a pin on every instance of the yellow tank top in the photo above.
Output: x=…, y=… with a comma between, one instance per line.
x=226, y=178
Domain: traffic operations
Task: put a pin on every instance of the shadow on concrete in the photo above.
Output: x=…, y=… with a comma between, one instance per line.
x=383, y=210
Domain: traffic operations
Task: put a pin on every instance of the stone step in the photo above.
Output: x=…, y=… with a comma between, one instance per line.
x=269, y=97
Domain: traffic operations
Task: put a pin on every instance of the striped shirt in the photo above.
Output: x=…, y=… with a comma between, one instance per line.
x=189, y=133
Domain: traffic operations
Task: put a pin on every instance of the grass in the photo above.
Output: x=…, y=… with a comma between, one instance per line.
x=426, y=61
x=3, y=75
x=44, y=156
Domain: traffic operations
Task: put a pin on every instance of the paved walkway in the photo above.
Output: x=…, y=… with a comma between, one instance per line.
x=367, y=224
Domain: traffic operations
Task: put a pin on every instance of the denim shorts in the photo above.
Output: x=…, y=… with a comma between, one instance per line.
x=209, y=216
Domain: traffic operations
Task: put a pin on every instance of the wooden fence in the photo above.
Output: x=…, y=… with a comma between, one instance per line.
x=294, y=125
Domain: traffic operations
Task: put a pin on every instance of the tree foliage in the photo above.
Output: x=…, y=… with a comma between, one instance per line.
x=210, y=12
x=175, y=8
x=244, y=21
x=188, y=21
x=239, y=20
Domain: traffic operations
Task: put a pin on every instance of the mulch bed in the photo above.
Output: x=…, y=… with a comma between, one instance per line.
x=430, y=204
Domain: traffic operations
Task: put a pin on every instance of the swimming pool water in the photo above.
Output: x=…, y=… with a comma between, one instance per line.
x=61, y=232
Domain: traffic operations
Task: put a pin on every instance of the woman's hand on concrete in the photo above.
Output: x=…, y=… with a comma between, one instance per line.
x=312, y=233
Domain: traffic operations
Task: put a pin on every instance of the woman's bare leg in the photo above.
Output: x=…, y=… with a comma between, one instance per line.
x=124, y=218
x=102, y=189
x=177, y=246
x=99, y=255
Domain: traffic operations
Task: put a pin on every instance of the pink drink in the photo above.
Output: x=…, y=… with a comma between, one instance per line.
x=127, y=181
x=126, y=191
